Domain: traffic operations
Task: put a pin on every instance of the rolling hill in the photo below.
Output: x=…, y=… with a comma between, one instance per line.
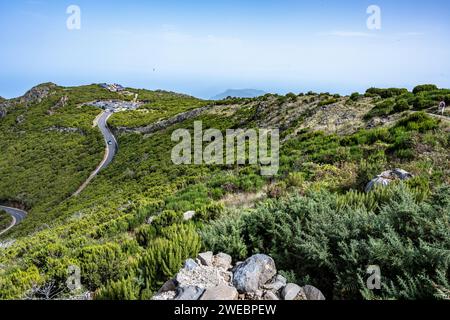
x=126, y=231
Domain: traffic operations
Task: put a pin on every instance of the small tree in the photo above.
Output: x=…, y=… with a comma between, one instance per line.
x=354, y=96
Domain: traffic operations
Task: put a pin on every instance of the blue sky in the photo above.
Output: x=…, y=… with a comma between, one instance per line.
x=205, y=47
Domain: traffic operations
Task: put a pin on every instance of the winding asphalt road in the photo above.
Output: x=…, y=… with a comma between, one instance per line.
x=17, y=215
x=110, y=151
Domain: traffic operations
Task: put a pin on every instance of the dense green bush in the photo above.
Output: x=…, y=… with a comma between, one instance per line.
x=190, y=198
x=16, y=282
x=225, y=235
x=447, y=99
x=418, y=121
x=424, y=87
x=291, y=96
x=161, y=260
x=386, y=93
x=331, y=244
x=401, y=105
x=383, y=108
x=145, y=234
x=209, y=212
x=354, y=96
x=102, y=263
x=165, y=254
x=123, y=289
x=422, y=103
x=370, y=168
x=167, y=218
x=327, y=102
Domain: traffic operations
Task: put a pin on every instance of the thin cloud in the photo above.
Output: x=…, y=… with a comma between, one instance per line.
x=411, y=34
x=347, y=34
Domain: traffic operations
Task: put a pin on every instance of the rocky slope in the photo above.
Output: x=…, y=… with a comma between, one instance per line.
x=213, y=277
x=35, y=95
x=290, y=114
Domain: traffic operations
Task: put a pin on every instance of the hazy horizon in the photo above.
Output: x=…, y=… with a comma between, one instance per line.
x=281, y=91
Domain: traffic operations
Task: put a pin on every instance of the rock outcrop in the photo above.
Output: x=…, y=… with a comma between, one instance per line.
x=163, y=124
x=38, y=93
x=115, y=87
x=65, y=130
x=387, y=177
x=3, y=112
x=213, y=277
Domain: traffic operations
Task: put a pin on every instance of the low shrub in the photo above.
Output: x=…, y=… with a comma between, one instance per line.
x=166, y=253
x=424, y=87
x=330, y=245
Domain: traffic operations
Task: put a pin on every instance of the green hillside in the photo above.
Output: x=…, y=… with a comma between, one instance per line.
x=314, y=215
x=5, y=220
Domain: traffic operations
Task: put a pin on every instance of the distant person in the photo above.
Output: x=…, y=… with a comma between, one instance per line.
x=442, y=107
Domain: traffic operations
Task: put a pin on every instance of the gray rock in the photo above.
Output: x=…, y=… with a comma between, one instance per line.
x=168, y=295
x=188, y=215
x=258, y=293
x=269, y=295
x=65, y=130
x=220, y=292
x=206, y=258
x=277, y=283
x=189, y=293
x=312, y=293
x=3, y=113
x=252, y=274
x=301, y=295
x=202, y=277
x=227, y=276
x=222, y=260
x=378, y=181
x=386, y=177
x=169, y=285
x=290, y=291
x=402, y=174
x=62, y=102
x=38, y=93
x=190, y=264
